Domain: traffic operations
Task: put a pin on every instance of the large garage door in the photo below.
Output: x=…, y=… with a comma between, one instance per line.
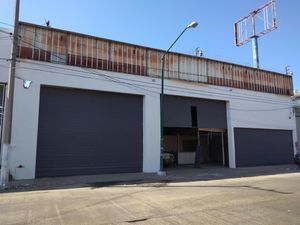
x=88, y=132
x=255, y=147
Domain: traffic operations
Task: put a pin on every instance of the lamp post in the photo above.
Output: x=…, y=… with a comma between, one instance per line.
x=191, y=25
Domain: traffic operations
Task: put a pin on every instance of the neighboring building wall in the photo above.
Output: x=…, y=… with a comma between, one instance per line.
x=298, y=127
x=5, y=44
x=297, y=114
x=245, y=109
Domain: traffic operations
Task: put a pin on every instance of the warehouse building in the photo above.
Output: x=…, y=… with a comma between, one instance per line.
x=88, y=105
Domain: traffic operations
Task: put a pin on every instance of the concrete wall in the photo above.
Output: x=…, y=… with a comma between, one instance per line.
x=244, y=108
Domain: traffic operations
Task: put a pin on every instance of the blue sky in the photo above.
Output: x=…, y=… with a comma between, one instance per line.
x=156, y=23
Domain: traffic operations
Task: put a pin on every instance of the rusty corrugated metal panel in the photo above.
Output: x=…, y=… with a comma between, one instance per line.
x=234, y=80
x=171, y=66
x=259, y=81
x=188, y=69
x=154, y=63
x=273, y=90
x=269, y=82
x=286, y=85
x=51, y=45
x=25, y=43
x=202, y=70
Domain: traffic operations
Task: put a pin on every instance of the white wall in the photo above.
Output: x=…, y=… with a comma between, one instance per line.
x=26, y=112
x=244, y=108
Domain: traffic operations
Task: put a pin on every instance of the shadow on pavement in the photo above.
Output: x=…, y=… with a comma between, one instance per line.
x=174, y=177
x=164, y=183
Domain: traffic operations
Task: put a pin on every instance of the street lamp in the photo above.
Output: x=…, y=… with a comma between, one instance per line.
x=191, y=25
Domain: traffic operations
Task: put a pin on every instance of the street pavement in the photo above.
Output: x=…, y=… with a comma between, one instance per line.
x=261, y=199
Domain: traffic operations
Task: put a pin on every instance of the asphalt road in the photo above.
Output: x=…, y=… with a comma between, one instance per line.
x=273, y=199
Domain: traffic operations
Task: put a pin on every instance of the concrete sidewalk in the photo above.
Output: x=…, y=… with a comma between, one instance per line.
x=178, y=174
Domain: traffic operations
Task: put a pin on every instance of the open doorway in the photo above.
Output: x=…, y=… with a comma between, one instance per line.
x=190, y=145
x=213, y=147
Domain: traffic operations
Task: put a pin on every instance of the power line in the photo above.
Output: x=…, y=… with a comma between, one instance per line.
x=143, y=90
x=263, y=110
x=6, y=32
x=239, y=97
x=211, y=58
x=172, y=71
x=209, y=93
x=54, y=72
x=41, y=34
x=273, y=109
x=90, y=71
x=266, y=100
x=6, y=24
x=5, y=37
x=169, y=87
x=215, y=87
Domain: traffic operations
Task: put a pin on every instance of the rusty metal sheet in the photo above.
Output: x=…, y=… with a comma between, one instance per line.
x=154, y=63
x=172, y=66
x=202, y=70
x=56, y=46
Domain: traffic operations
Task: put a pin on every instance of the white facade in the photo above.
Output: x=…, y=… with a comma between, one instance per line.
x=245, y=109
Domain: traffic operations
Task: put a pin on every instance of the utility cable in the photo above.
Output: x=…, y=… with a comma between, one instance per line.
x=168, y=87
x=41, y=34
x=259, y=99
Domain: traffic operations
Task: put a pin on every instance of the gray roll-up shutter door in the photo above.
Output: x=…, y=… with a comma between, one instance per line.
x=210, y=113
x=255, y=147
x=88, y=132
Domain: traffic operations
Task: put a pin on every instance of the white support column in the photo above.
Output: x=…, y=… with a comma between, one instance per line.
x=151, y=133
x=24, y=129
x=230, y=134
